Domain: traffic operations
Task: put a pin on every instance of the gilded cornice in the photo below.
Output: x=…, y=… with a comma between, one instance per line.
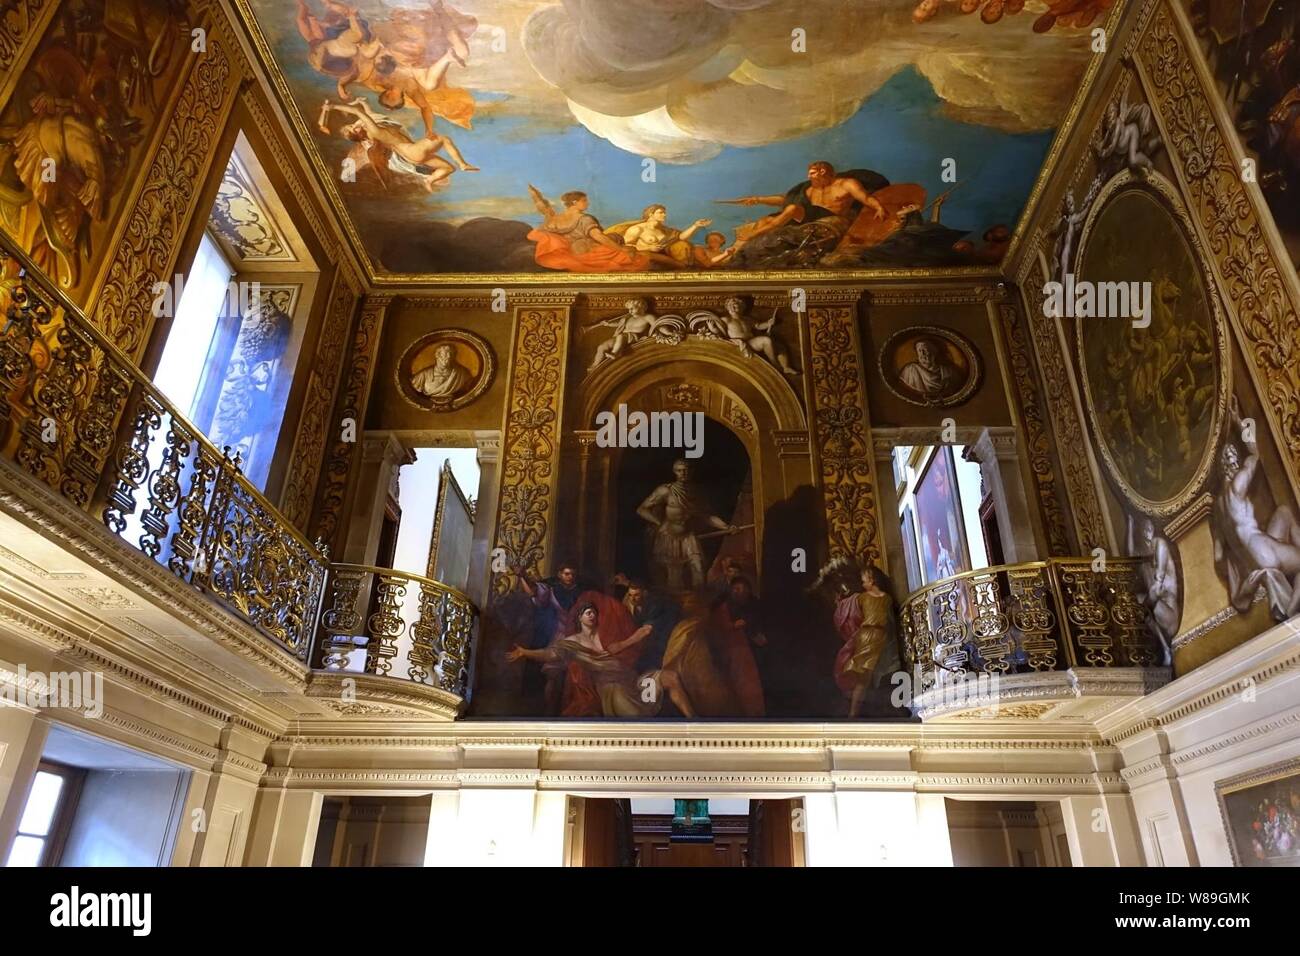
x=938, y=295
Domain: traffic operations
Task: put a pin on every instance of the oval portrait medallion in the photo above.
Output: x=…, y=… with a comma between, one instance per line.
x=445, y=370
x=930, y=366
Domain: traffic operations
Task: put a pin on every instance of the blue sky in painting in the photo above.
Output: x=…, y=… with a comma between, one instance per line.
x=901, y=132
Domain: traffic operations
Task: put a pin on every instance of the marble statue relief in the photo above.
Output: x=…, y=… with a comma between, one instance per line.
x=1251, y=553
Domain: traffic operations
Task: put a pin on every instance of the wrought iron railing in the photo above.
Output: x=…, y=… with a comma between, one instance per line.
x=1024, y=618
x=378, y=620
x=84, y=420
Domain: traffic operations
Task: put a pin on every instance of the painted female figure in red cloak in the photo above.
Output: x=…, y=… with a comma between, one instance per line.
x=573, y=241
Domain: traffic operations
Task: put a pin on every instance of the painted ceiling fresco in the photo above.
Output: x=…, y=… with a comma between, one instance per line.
x=627, y=136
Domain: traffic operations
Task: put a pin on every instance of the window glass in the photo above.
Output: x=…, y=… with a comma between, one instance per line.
x=42, y=802
x=26, y=851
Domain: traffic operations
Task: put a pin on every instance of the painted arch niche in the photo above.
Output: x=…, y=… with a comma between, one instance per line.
x=734, y=633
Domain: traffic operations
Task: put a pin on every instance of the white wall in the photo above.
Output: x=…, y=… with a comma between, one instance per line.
x=125, y=818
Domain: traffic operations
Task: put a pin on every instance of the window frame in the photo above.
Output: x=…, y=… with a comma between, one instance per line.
x=64, y=810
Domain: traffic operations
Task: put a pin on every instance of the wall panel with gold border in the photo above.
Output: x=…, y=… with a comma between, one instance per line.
x=1158, y=99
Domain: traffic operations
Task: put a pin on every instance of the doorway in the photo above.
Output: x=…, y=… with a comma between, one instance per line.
x=1007, y=833
x=686, y=832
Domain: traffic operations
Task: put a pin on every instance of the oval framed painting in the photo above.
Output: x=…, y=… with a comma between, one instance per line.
x=1156, y=396
x=930, y=366
x=445, y=370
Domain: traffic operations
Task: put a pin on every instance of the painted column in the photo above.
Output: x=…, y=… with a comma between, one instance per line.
x=344, y=486
x=842, y=427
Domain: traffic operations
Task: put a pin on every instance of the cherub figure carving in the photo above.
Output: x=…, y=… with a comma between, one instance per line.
x=751, y=337
x=629, y=328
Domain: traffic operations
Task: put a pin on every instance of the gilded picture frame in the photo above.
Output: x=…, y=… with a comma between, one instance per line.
x=1254, y=803
x=1165, y=194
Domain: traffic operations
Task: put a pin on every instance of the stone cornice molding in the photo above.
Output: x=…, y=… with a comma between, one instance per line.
x=292, y=778
x=1250, y=665
x=1286, y=723
x=1158, y=768
x=89, y=651
x=239, y=766
x=153, y=739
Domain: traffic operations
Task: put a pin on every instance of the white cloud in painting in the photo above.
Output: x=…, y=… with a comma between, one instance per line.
x=648, y=134
x=498, y=207
x=679, y=79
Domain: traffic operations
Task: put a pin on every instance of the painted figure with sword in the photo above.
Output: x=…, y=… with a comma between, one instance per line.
x=675, y=511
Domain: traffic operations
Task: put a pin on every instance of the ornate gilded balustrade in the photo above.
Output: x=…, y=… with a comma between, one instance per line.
x=389, y=623
x=83, y=420
x=1044, y=616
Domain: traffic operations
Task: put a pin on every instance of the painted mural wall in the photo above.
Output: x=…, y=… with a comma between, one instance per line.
x=688, y=502
x=1179, y=390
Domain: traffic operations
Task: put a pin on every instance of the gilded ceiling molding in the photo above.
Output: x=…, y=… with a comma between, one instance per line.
x=308, y=456
x=1265, y=317
x=465, y=301
x=712, y=298
x=288, y=168
x=1038, y=438
x=147, y=248
x=353, y=398
x=842, y=434
x=928, y=295
x=554, y=298
x=1067, y=433
x=531, y=441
